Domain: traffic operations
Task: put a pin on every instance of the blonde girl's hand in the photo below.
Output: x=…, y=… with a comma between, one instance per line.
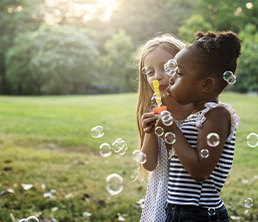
x=148, y=122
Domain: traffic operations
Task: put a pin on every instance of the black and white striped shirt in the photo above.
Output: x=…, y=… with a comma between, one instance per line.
x=182, y=188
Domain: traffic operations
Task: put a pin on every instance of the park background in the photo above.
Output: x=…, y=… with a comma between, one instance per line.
x=67, y=66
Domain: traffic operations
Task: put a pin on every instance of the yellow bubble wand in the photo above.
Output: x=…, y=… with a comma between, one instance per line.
x=158, y=98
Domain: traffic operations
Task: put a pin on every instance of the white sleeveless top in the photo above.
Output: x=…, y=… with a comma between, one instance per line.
x=156, y=195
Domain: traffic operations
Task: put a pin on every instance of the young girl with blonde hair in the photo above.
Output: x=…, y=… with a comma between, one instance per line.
x=151, y=59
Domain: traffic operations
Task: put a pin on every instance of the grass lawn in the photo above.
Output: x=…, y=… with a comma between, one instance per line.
x=46, y=142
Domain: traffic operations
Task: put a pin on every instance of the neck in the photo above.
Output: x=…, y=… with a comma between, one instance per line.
x=198, y=106
x=179, y=112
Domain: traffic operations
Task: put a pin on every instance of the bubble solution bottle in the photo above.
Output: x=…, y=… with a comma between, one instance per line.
x=160, y=108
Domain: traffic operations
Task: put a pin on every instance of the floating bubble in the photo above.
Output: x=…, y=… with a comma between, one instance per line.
x=139, y=156
x=229, y=77
x=159, y=131
x=166, y=118
x=252, y=140
x=204, y=153
x=211, y=211
x=118, y=145
x=97, y=131
x=145, y=70
x=248, y=203
x=123, y=150
x=213, y=139
x=168, y=121
x=30, y=219
x=114, y=184
x=170, y=138
x=170, y=67
x=153, y=101
x=105, y=149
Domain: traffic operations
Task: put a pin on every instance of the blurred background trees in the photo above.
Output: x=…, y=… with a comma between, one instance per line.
x=87, y=46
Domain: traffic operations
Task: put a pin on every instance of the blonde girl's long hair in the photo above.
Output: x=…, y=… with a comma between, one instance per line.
x=167, y=43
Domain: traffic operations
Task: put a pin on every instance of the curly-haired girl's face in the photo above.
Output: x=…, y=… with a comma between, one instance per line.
x=184, y=84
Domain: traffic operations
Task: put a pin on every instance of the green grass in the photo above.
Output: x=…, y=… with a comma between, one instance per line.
x=47, y=140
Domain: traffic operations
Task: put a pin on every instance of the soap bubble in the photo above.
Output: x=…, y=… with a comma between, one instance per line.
x=114, y=184
x=229, y=77
x=213, y=139
x=166, y=118
x=30, y=219
x=105, y=149
x=164, y=113
x=97, y=131
x=139, y=156
x=145, y=70
x=159, y=131
x=248, y=203
x=204, y=153
x=153, y=101
x=211, y=211
x=170, y=67
x=122, y=151
x=170, y=138
x=252, y=140
x=118, y=145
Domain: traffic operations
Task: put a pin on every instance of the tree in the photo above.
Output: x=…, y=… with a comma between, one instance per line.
x=228, y=15
x=59, y=59
x=247, y=75
x=116, y=69
x=16, y=17
x=143, y=19
x=193, y=24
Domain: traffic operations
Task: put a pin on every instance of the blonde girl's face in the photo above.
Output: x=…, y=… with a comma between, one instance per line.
x=154, y=69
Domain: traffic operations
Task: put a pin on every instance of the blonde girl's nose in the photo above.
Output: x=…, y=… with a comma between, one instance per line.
x=158, y=75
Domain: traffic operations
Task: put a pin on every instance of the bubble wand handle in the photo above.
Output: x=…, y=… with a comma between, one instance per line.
x=158, y=98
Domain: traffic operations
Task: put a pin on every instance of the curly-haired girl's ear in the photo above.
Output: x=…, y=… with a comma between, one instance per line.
x=208, y=85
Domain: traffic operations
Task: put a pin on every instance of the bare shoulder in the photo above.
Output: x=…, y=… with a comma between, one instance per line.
x=219, y=114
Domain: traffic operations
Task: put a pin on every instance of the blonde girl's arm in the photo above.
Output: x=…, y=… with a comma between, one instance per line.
x=218, y=121
x=150, y=141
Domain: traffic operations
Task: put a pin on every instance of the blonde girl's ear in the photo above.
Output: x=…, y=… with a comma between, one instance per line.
x=208, y=85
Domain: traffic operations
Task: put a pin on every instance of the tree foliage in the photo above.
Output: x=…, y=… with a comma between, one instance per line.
x=115, y=63
x=247, y=76
x=193, y=24
x=53, y=59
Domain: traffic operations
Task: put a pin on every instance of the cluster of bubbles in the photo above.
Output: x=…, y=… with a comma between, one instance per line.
x=212, y=140
x=170, y=67
x=114, y=184
x=252, y=140
x=229, y=77
x=30, y=219
x=167, y=120
x=114, y=181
